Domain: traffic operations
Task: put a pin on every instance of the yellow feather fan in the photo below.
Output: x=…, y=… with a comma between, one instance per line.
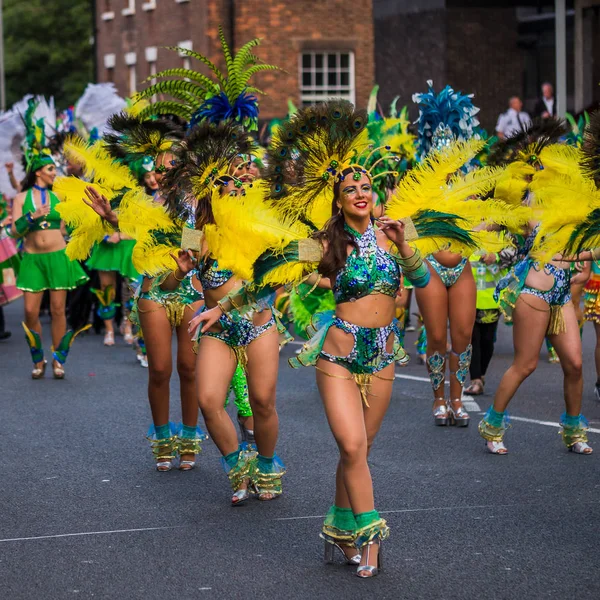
x=87, y=227
x=438, y=185
x=561, y=203
x=98, y=165
x=426, y=185
x=246, y=227
x=143, y=219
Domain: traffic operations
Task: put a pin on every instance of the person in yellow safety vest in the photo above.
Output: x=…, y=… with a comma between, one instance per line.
x=487, y=271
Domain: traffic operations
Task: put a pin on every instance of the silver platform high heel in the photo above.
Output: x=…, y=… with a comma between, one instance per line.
x=330, y=545
x=367, y=569
x=457, y=416
x=440, y=414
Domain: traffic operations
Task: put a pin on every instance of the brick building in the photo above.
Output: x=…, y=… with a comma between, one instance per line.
x=337, y=57
x=493, y=48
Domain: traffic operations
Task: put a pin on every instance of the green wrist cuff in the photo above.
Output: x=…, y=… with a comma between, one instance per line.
x=22, y=224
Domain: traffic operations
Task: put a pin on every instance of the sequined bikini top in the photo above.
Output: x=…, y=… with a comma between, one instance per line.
x=368, y=270
x=211, y=276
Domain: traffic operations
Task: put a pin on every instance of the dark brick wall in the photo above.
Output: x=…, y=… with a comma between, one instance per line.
x=482, y=58
x=409, y=49
x=473, y=49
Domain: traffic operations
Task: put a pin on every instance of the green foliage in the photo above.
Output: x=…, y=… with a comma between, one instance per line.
x=47, y=49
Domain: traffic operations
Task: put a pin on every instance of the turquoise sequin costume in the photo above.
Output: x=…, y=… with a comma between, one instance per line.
x=237, y=328
x=369, y=270
x=448, y=275
x=511, y=286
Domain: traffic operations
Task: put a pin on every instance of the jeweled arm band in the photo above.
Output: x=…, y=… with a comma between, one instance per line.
x=414, y=268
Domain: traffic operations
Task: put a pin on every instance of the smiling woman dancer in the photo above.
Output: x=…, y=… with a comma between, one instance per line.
x=45, y=265
x=355, y=348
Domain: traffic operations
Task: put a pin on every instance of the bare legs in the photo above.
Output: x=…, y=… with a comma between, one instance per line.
x=33, y=302
x=354, y=428
x=439, y=304
x=108, y=278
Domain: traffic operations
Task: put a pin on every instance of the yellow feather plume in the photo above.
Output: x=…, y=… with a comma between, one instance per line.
x=140, y=218
x=562, y=159
x=513, y=182
x=425, y=186
x=87, y=227
x=246, y=227
x=561, y=203
x=98, y=165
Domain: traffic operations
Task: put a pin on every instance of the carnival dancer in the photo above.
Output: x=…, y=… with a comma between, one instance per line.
x=45, y=265
x=113, y=257
x=450, y=299
x=536, y=294
x=251, y=340
x=318, y=164
x=224, y=101
x=112, y=190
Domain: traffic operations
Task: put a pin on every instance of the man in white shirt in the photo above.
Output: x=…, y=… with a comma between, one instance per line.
x=545, y=107
x=513, y=120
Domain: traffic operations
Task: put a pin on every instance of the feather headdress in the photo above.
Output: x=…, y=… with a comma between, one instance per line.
x=204, y=159
x=197, y=97
x=443, y=118
x=396, y=150
x=526, y=145
x=35, y=145
x=308, y=155
x=137, y=143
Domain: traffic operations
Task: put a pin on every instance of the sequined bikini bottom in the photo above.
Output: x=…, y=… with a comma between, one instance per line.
x=448, y=275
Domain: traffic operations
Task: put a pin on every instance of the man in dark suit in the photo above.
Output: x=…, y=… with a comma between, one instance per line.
x=545, y=107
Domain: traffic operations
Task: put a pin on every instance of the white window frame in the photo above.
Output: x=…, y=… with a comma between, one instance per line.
x=150, y=5
x=129, y=10
x=110, y=60
x=308, y=93
x=186, y=45
x=130, y=61
x=108, y=15
x=151, y=54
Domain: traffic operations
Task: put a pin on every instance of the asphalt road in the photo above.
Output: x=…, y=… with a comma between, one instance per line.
x=83, y=513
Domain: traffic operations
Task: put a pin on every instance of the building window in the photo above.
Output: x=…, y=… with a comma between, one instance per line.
x=151, y=53
x=150, y=5
x=326, y=75
x=181, y=1
x=108, y=14
x=109, y=65
x=130, y=61
x=186, y=45
x=129, y=10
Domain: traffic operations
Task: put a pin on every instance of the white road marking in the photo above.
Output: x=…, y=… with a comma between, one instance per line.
x=431, y=509
x=547, y=423
x=82, y=533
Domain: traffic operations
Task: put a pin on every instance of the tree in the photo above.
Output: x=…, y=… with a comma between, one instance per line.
x=48, y=49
